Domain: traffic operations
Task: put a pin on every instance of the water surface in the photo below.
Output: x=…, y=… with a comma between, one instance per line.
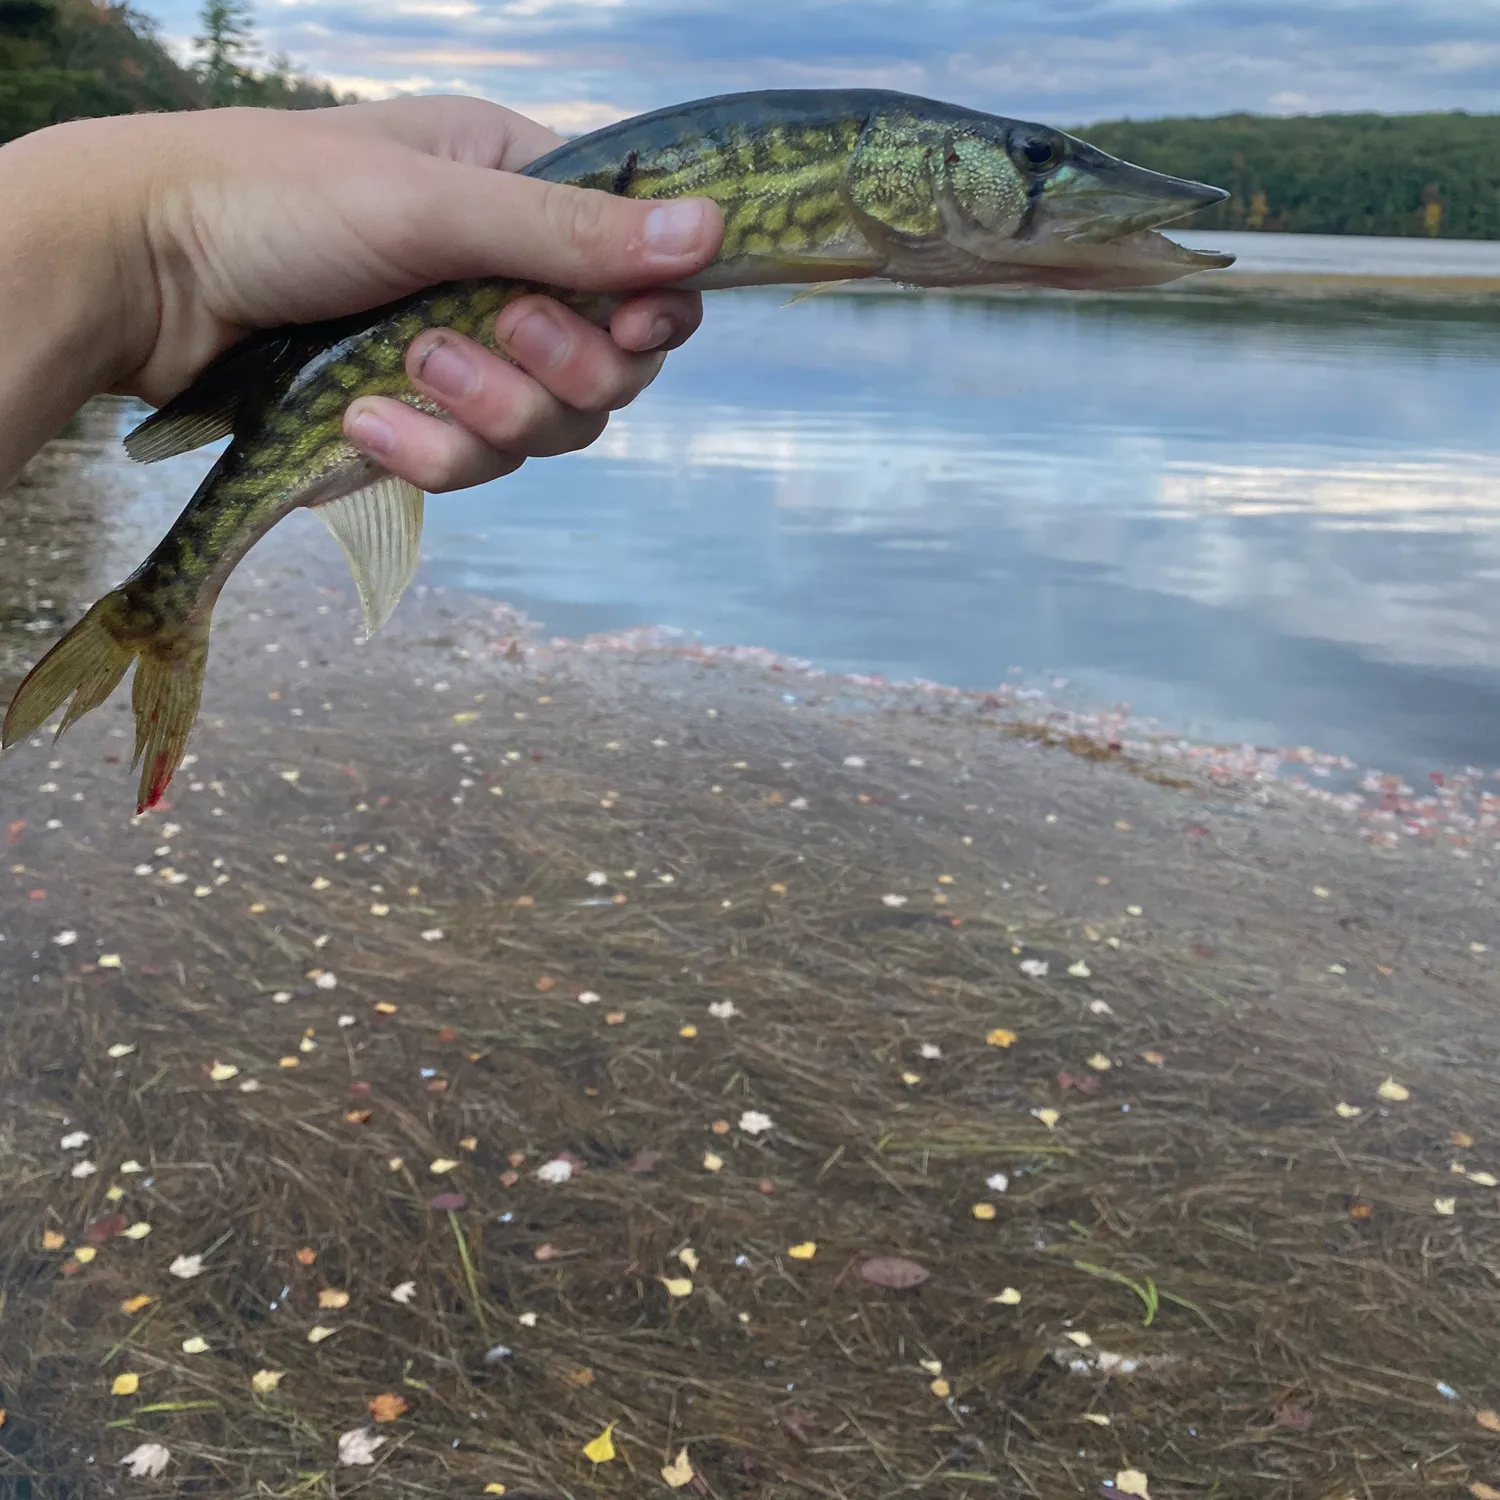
x=1348, y=254
x=1269, y=524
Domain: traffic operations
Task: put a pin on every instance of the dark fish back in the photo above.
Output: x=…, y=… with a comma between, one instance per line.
x=233, y=393
x=594, y=160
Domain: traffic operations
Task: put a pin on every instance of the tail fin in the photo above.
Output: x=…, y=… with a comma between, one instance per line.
x=87, y=665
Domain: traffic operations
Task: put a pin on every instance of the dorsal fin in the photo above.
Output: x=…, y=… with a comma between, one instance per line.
x=380, y=529
x=233, y=389
x=207, y=410
x=170, y=431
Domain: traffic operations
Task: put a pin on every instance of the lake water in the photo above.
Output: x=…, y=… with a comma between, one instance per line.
x=1275, y=523
x=1347, y=255
x=1271, y=524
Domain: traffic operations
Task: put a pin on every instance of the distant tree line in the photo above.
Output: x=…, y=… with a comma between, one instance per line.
x=74, y=59
x=1432, y=174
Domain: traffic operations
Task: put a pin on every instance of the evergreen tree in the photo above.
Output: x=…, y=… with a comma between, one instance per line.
x=76, y=59
x=227, y=44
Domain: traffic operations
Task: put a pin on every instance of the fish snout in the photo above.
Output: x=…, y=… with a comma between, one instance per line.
x=1105, y=198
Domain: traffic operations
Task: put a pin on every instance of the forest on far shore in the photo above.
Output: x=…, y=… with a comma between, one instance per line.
x=1433, y=174
x=1429, y=174
x=76, y=59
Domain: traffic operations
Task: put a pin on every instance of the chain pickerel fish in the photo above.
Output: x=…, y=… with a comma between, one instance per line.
x=815, y=186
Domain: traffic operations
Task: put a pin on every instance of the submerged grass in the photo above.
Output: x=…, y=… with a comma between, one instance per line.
x=466, y=907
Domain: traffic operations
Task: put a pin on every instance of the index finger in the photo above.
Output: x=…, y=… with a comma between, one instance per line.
x=445, y=222
x=451, y=126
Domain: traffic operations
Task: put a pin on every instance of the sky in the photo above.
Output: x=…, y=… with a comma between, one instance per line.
x=579, y=64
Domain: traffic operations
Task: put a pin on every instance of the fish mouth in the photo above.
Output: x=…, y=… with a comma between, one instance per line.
x=1098, y=226
x=1147, y=246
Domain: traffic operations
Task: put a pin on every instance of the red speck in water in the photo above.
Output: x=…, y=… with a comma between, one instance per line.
x=1085, y=1083
x=105, y=1229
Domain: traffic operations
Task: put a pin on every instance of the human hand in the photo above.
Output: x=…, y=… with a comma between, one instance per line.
x=232, y=220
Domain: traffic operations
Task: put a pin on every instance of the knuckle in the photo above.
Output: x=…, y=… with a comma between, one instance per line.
x=579, y=430
x=689, y=314
x=435, y=470
x=602, y=388
x=592, y=428
x=433, y=454
x=515, y=418
x=587, y=223
x=463, y=460
x=649, y=367
x=622, y=390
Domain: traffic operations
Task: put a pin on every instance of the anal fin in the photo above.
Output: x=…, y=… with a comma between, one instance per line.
x=380, y=529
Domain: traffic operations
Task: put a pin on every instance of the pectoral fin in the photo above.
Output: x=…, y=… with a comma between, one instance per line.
x=380, y=529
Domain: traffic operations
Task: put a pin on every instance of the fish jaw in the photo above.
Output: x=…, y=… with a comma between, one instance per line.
x=1096, y=225
x=1093, y=225
x=1143, y=259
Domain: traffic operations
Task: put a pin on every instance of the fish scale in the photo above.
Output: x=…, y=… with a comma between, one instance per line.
x=815, y=186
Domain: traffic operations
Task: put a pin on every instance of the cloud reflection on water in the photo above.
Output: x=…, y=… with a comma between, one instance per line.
x=1284, y=522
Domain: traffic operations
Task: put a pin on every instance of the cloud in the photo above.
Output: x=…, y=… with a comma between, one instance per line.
x=575, y=116
x=583, y=62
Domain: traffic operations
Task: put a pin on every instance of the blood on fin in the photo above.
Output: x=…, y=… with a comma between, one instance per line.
x=166, y=693
x=87, y=665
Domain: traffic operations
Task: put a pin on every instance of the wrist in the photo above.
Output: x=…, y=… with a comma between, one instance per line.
x=76, y=299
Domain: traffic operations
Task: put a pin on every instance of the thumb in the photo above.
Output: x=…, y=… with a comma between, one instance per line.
x=448, y=220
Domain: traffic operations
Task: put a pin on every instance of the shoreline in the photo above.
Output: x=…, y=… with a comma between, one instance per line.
x=1468, y=292
x=1054, y=1023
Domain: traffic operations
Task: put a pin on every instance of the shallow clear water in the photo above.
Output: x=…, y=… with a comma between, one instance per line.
x=1280, y=525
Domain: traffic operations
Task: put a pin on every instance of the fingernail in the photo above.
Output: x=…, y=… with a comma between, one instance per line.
x=373, y=434
x=674, y=229
x=537, y=342
x=447, y=371
x=661, y=331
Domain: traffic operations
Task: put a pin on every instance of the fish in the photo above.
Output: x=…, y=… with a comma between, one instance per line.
x=815, y=186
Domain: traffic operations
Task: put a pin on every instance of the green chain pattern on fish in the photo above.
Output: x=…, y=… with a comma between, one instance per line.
x=815, y=186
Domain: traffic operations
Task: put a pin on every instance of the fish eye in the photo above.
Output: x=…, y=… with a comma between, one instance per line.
x=1036, y=153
